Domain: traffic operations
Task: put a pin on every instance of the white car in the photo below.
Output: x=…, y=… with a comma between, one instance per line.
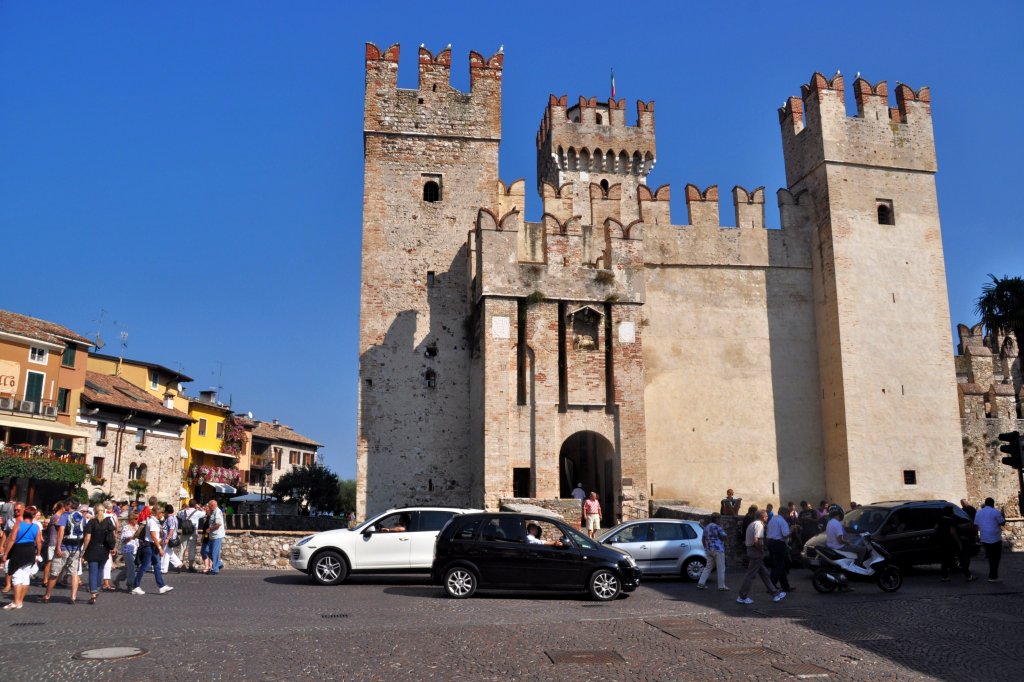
x=395, y=541
x=661, y=546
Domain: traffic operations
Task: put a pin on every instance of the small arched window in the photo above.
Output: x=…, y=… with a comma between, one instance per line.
x=141, y=473
x=133, y=471
x=599, y=119
x=885, y=214
x=431, y=191
x=604, y=186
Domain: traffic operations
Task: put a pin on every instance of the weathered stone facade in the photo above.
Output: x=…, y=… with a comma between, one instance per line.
x=989, y=387
x=259, y=549
x=603, y=345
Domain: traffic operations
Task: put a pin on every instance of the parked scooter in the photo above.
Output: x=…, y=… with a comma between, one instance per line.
x=840, y=566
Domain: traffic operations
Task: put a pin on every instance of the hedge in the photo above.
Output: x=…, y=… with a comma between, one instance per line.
x=46, y=469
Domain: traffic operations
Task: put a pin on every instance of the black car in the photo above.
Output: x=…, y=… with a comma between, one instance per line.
x=504, y=550
x=907, y=530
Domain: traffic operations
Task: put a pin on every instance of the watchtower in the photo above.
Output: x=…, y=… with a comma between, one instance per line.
x=430, y=163
x=889, y=411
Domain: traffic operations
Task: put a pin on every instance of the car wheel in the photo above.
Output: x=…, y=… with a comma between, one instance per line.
x=890, y=579
x=692, y=568
x=823, y=582
x=460, y=582
x=329, y=568
x=604, y=585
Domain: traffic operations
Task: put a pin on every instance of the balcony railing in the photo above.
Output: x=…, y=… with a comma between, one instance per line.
x=43, y=408
x=27, y=451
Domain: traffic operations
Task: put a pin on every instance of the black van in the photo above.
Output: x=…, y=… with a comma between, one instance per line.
x=907, y=530
x=503, y=550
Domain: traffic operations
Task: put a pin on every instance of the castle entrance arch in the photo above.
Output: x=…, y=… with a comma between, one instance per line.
x=587, y=457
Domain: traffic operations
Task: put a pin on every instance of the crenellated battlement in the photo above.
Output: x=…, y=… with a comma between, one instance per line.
x=593, y=137
x=816, y=127
x=434, y=107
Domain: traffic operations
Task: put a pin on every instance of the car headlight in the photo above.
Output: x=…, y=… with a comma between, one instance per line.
x=304, y=540
x=630, y=561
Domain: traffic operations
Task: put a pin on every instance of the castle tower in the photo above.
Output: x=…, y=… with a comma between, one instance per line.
x=431, y=161
x=889, y=407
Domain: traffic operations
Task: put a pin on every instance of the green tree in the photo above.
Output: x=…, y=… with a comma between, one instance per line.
x=137, y=487
x=347, y=496
x=310, y=486
x=1001, y=307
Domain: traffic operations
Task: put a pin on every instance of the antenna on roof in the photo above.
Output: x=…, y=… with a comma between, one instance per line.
x=99, y=343
x=124, y=347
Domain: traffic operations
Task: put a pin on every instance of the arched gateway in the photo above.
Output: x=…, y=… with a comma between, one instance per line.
x=587, y=457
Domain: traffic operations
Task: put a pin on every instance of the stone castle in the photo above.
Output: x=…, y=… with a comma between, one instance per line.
x=503, y=358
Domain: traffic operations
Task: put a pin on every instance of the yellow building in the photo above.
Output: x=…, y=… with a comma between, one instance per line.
x=210, y=471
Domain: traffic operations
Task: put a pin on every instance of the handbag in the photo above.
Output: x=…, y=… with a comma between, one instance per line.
x=174, y=542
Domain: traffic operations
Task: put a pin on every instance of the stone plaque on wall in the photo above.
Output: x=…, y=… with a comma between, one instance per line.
x=500, y=328
x=627, y=332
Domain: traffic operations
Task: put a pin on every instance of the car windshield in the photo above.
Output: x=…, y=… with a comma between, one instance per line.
x=579, y=538
x=865, y=519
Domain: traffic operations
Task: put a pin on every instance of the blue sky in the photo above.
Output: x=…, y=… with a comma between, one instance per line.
x=191, y=173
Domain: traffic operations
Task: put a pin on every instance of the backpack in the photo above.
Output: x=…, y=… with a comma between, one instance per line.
x=185, y=526
x=75, y=529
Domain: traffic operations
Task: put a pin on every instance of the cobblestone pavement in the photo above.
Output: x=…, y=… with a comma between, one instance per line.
x=264, y=625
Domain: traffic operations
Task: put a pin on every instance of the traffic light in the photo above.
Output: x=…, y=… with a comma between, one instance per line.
x=1012, y=449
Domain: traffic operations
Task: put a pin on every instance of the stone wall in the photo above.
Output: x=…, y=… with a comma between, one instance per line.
x=570, y=510
x=274, y=522
x=259, y=549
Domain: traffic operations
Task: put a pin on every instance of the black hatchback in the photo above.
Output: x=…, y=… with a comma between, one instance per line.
x=511, y=551
x=908, y=530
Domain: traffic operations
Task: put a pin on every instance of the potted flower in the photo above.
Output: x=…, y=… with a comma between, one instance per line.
x=97, y=480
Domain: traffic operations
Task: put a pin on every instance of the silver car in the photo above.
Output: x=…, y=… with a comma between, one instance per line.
x=661, y=546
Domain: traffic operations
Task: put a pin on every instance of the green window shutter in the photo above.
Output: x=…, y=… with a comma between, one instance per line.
x=63, y=395
x=68, y=359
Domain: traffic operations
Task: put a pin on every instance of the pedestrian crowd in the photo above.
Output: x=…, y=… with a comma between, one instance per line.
x=773, y=541
x=110, y=546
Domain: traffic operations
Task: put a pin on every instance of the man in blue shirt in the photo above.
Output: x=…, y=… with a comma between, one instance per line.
x=990, y=524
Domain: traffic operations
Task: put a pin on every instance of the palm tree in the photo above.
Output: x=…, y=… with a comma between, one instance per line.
x=1001, y=307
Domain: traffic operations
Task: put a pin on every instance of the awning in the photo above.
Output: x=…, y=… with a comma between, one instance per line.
x=254, y=497
x=215, y=453
x=182, y=493
x=222, y=488
x=42, y=425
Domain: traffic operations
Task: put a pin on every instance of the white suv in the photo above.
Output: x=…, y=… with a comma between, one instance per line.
x=394, y=541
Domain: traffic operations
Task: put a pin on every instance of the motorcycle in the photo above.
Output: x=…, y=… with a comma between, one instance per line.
x=840, y=566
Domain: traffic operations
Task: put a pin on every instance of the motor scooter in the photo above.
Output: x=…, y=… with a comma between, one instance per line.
x=840, y=567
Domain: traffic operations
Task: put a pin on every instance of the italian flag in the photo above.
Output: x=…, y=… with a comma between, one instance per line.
x=613, y=83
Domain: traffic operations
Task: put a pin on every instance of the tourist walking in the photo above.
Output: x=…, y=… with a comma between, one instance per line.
x=51, y=539
x=20, y=551
x=777, y=533
x=67, y=557
x=217, y=534
x=171, y=541
x=951, y=546
x=592, y=513
x=151, y=550
x=98, y=545
x=755, y=541
x=990, y=522
x=191, y=526
x=714, y=547
x=129, y=550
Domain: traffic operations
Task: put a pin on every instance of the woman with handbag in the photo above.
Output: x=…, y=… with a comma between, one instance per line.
x=129, y=548
x=98, y=545
x=171, y=541
x=21, y=552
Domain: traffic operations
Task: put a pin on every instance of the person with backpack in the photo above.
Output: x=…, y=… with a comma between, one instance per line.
x=151, y=549
x=21, y=550
x=171, y=540
x=98, y=545
x=188, y=522
x=67, y=557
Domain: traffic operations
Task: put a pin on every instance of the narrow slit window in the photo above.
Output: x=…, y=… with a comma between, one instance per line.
x=430, y=378
x=909, y=477
x=885, y=213
x=599, y=119
x=430, y=278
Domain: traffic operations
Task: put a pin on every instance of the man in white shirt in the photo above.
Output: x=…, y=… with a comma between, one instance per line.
x=778, y=549
x=990, y=522
x=217, y=535
x=194, y=513
x=755, y=542
x=835, y=535
x=151, y=551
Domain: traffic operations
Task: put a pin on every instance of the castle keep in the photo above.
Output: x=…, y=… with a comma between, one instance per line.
x=602, y=344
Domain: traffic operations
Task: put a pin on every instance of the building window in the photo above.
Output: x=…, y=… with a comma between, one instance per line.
x=37, y=355
x=220, y=429
x=885, y=213
x=598, y=118
x=141, y=472
x=97, y=467
x=140, y=436
x=521, y=482
x=68, y=358
x=154, y=384
x=909, y=477
x=133, y=471
x=305, y=459
x=202, y=426
x=293, y=456
x=430, y=378
x=63, y=398
x=101, y=430
x=277, y=458
x=431, y=191
x=430, y=278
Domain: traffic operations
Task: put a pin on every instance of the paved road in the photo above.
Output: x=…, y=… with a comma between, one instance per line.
x=262, y=625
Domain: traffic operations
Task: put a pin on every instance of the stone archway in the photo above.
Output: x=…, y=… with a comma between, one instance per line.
x=587, y=457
